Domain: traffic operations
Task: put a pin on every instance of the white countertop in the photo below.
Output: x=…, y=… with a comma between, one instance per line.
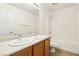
x=6, y=50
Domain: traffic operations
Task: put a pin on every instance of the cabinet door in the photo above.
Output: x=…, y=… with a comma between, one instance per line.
x=38, y=49
x=24, y=52
x=47, y=47
x=30, y=51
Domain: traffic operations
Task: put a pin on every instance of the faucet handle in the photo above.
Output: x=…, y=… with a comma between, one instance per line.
x=19, y=35
x=11, y=33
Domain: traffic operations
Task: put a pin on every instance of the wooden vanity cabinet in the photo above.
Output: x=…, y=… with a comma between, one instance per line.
x=47, y=47
x=42, y=48
x=38, y=49
x=24, y=52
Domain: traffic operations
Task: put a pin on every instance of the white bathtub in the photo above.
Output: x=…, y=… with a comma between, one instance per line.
x=68, y=46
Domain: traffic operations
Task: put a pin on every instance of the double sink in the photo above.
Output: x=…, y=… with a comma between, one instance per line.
x=24, y=41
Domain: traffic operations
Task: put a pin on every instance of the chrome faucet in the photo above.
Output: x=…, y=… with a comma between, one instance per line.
x=19, y=36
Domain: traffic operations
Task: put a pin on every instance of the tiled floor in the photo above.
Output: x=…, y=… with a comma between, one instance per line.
x=60, y=52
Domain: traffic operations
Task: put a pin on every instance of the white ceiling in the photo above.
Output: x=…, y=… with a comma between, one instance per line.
x=26, y=7
x=31, y=8
x=58, y=6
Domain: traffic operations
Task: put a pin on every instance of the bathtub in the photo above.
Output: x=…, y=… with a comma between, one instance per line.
x=70, y=46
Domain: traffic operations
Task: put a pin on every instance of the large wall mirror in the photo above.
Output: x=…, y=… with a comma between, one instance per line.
x=18, y=18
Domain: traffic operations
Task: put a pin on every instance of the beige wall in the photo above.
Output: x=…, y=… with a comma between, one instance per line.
x=44, y=14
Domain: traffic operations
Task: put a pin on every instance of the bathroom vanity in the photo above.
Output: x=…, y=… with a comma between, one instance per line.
x=40, y=46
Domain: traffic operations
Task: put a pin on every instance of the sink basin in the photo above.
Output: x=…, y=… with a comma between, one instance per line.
x=40, y=36
x=21, y=42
